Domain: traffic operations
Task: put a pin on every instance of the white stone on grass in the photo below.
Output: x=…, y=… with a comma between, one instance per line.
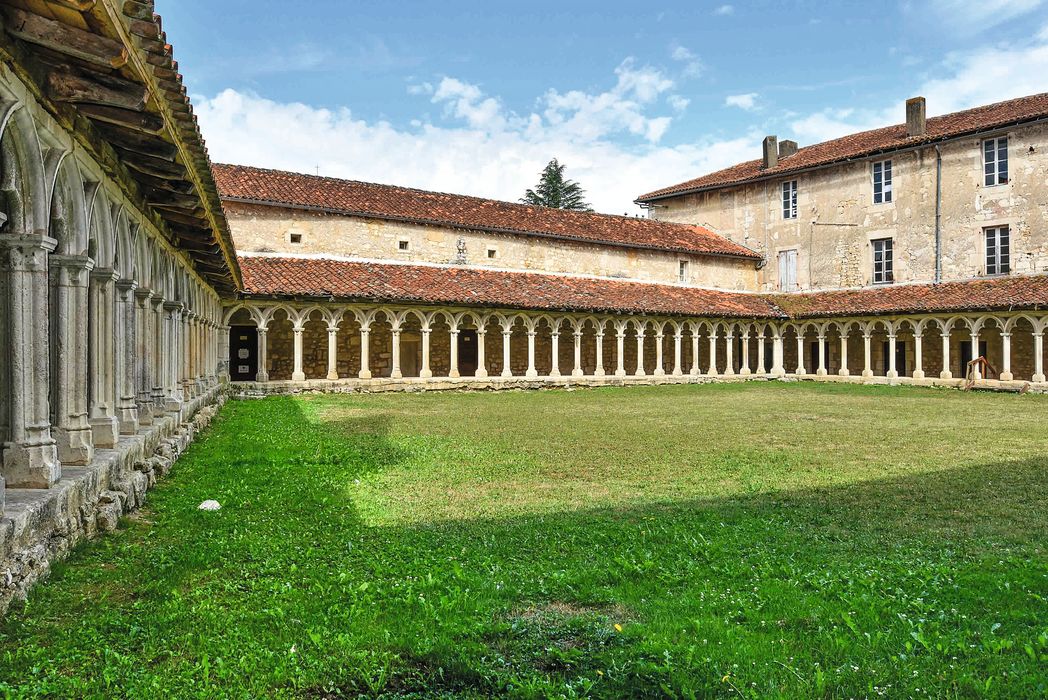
x=209, y=505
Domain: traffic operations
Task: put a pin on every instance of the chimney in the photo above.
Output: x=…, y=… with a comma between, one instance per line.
x=787, y=148
x=915, y=118
x=771, y=152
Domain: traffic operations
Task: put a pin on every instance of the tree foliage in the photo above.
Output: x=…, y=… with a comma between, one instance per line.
x=557, y=192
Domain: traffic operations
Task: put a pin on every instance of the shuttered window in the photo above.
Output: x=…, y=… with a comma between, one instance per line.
x=788, y=270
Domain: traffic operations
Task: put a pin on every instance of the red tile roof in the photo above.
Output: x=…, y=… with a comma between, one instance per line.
x=470, y=286
x=868, y=143
x=259, y=185
x=274, y=276
x=995, y=294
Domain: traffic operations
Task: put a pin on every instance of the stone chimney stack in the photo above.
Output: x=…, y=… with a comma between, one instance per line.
x=916, y=123
x=771, y=152
x=787, y=148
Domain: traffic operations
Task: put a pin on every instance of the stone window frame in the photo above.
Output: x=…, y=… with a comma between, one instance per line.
x=789, y=206
x=887, y=271
x=403, y=245
x=683, y=270
x=886, y=173
x=491, y=252
x=291, y=237
x=998, y=263
x=992, y=169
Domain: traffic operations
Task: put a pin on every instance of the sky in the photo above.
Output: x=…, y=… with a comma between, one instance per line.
x=476, y=97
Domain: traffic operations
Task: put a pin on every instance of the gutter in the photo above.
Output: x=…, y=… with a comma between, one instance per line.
x=938, y=214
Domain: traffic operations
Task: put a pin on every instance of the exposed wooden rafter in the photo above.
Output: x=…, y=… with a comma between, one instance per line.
x=77, y=43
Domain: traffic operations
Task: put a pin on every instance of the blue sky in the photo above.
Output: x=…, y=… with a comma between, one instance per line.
x=475, y=97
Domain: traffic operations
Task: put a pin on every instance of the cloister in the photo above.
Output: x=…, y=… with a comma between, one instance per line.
x=358, y=345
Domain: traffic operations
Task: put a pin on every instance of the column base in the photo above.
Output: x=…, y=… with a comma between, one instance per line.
x=531, y=373
x=659, y=373
x=577, y=373
x=946, y=374
x=891, y=374
x=362, y=374
x=677, y=373
x=1006, y=376
x=145, y=413
x=105, y=431
x=127, y=419
x=745, y=371
x=506, y=373
x=640, y=373
x=454, y=374
x=800, y=372
x=264, y=377
x=554, y=373
x=31, y=465
x=481, y=373
x=599, y=372
x=918, y=374
x=867, y=373
x=1037, y=379
x=729, y=373
x=820, y=373
x=778, y=372
x=843, y=372
x=332, y=376
x=75, y=445
x=298, y=376
x=620, y=373
x=425, y=374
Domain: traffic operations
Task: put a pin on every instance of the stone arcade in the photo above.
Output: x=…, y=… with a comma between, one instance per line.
x=128, y=313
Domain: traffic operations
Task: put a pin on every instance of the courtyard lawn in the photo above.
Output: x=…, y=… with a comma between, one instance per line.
x=754, y=540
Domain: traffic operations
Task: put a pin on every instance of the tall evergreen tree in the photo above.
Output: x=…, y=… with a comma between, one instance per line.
x=556, y=192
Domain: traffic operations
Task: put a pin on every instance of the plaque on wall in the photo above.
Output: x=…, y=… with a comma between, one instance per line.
x=243, y=369
x=243, y=353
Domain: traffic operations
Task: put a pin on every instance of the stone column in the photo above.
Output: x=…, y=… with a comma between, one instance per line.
x=946, y=373
x=262, y=375
x=126, y=409
x=72, y=431
x=332, y=373
x=482, y=367
x=1038, y=356
x=659, y=337
x=29, y=455
x=729, y=354
x=105, y=428
x=777, y=368
x=454, y=352
x=599, y=337
x=144, y=317
x=365, y=352
x=677, y=362
x=761, y=365
x=867, y=364
x=892, y=370
x=531, y=371
x=425, y=372
x=576, y=370
x=1006, y=360
x=620, y=353
x=712, y=369
x=976, y=372
x=507, y=334
x=820, y=371
x=640, y=351
x=694, y=353
x=395, y=372
x=298, y=375
x=800, y=354
x=918, y=354
x=843, y=371
x=746, y=353
x=170, y=386
x=554, y=352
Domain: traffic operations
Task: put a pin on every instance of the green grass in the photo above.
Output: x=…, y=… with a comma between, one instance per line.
x=756, y=540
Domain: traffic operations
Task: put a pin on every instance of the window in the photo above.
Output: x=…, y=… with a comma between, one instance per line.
x=403, y=245
x=882, y=182
x=995, y=161
x=492, y=253
x=998, y=250
x=882, y=261
x=295, y=237
x=682, y=271
x=788, y=270
x=789, y=199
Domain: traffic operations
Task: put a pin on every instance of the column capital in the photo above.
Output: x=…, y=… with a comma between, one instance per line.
x=143, y=294
x=172, y=307
x=299, y=329
x=27, y=244
x=104, y=274
x=126, y=285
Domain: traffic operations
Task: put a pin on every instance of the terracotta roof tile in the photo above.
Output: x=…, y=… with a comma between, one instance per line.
x=243, y=183
x=867, y=143
x=467, y=286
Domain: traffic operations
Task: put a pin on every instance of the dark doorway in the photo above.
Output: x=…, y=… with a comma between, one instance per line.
x=966, y=356
x=813, y=358
x=900, y=357
x=467, y=352
x=243, y=353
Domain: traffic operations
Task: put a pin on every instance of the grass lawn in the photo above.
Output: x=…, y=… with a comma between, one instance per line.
x=753, y=540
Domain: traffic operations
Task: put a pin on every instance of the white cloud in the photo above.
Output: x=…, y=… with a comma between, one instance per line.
x=693, y=66
x=746, y=101
x=969, y=17
x=724, y=10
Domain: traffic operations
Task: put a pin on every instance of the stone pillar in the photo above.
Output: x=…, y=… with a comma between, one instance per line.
x=694, y=353
x=746, y=354
x=170, y=387
x=659, y=336
x=800, y=354
x=976, y=372
x=507, y=334
x=531, y=371
x=71, y=431
x=454, y=352
x=365, y=352
x=395, y=372
x=640, y=352
x=425, y=372
x=918, y=354
x=677, y=361
x=620, y=353
x=729, y=354
x=482, y=367
x=821, y=369
x=843, y=371
x=762, y=367
x=554, y=337
x=1006, y=360
x=30, y=457
x=102, y=359
x=298, y=375
x=332, y=373
x=946, y=373
x=777, y=368
x=576, y=370
x=144, y=317
x=892, y=370
x=712, y=369
x=599, y=337
x=1038, y=356
x=262, y=375
x=124, y=339
x=867, y=370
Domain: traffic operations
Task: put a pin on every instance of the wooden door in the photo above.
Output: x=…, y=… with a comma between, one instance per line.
x=467, y=352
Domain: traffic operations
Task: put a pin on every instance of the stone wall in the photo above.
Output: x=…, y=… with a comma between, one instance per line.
x=270, y=229
x=837, y=218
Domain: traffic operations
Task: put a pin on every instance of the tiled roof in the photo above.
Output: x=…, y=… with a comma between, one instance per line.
x=274, y=276
x=868, y=143
x=243, y=183
x=470, y=286
x=999, y=294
